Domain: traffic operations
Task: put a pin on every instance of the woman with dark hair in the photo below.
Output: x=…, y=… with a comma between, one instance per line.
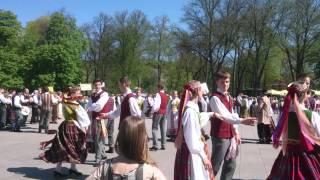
x=69, y=143
x=300, y=131
x=133, y=161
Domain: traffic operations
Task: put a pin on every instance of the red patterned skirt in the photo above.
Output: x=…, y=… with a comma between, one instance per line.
x=182, y=165
x=296, y=164
x=68, y=145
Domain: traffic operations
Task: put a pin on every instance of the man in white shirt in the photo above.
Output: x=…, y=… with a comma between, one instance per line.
x=25, y=102
x=35, y=107
x=17, y=110
x=225, y=129
x=159, y=109
x=129, y=105
x=96, y=105
x=3, y=108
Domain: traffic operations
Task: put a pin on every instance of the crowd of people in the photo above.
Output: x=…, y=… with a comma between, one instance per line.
x=88, y=126
x=17, y=105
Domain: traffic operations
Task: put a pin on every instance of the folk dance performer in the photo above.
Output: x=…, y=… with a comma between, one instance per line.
x=99, y=102
x=300, y=132
x=140, y=99
x=224, y=131
x=25, y=102
x=45, y=103
x=192, y=157
x=35, y=107
x=147, y=105
x=4, y=102
x=128, y=106
x=68, y=145
x=172, y=116
x=159, y=109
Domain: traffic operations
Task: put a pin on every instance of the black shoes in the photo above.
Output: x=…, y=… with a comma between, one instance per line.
x=153, y=148
x=111, y=150
x=206, y=137
x=104, y=157
x=74, y=172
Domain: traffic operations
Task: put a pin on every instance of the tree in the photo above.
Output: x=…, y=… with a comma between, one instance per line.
x=161, y=42
x=131, y=30
x=10, y=59
x=261, y=27
x=58, y=61
x=211, y=33
x=299, y=32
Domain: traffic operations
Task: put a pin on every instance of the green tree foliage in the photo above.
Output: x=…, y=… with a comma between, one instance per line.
x=57, y=62
x=9, y=28
x=261, y=42
x=10, y=59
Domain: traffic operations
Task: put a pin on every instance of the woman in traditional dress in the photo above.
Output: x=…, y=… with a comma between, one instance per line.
x=192, y=158
x=133, y=161
x=69, y=143
x=140, y=99
x=172, y=116
x=300, y=130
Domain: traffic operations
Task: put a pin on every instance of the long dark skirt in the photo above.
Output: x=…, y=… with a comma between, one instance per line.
x=296, y=164
x=182, y=165
x=68, y=145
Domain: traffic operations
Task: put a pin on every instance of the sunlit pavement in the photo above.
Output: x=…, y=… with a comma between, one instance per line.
x=19, y=155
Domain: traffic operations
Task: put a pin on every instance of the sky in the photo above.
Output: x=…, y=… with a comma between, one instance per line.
x=85, y=10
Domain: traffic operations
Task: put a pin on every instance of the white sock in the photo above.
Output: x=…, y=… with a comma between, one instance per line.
x=59, y=167
x=73, y=166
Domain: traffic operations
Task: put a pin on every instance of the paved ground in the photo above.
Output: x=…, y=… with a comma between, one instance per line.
x=19, y=152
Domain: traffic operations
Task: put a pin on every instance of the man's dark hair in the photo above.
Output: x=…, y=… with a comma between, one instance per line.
x=125, y=80
x=97, y=80
x=45, y=89
x=160, y=85
x=222, y=75
x=302, y=76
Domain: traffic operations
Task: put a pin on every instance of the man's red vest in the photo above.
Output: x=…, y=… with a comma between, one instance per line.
x=164, y=102
x=125, y=107
x=219, y=128
x=106, y=108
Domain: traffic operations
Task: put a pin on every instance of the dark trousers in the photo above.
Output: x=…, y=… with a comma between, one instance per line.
x=156, y=120
x=3, y=115
x=44, y=121
x=24, y=120
x=264, y=133
x=18, y=120
x=54, y=113
x=110, y=129
x=219, y=151
x=35, y=114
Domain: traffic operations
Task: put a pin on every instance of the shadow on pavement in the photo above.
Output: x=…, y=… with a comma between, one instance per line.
x=38, y=173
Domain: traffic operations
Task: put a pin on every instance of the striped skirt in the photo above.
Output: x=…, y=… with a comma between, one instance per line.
x=296, y=164
x=68, y=145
